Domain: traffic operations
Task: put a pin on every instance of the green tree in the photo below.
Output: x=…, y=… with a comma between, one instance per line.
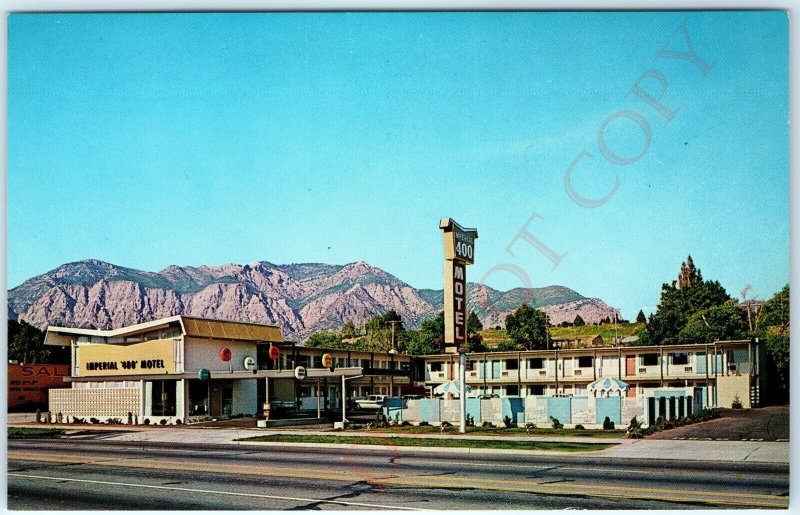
x=775, y=312
x=26, y=343
x=428, y=339
x=578, y=322
x=348, y=329
x=724, y=322
x=679, y=301
x=640, y=318
x=509, y=345
x=474, y=324
x=325, y=340
x=773, y=330
x=527, y=327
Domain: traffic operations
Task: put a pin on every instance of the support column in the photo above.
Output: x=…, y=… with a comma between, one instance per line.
x=462, y=401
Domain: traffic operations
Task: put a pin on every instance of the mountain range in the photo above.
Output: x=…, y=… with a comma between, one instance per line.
x=300, y=298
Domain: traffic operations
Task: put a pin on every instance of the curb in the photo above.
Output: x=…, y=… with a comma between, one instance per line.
x=395, y=448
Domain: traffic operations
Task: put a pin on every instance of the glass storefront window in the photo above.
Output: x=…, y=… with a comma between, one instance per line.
x=227, y=398
x=163, y=398
x=198, y=397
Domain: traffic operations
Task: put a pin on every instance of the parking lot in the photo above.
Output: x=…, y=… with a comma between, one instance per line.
x=759, y=424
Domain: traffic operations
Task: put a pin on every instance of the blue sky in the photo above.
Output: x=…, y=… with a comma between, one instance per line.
x=155, y=139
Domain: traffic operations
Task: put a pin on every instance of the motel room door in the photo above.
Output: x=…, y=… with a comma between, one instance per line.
x=630, y=365
x=215, y=399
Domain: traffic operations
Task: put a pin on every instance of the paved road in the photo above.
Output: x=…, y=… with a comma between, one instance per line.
x=75, y=475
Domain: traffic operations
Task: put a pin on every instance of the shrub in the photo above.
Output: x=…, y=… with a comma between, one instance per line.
x=405, y=423
x=486, y=423
x=530, y=425
x=380, y=420
x=94, y=420
x=737, y=403
x=556, y=423
x=424, y=423
x=579, y=427
x=446, y=424
x=470, y=420
x=163, y=422
x=178, y=422
x=78, y=420
x=634, y=429
x=147, y=421
x=507, y=421
x=38, y=415
x=608, y=424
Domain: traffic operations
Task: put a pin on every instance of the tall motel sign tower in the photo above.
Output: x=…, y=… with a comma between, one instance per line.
x=459, y=251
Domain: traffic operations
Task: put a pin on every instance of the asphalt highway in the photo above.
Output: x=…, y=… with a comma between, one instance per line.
x=75, y=475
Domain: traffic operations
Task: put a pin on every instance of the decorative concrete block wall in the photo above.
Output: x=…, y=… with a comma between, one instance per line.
x=633, y=407
x=491, y=411
x=96, y=402
x=536, y=410
x=582, y=412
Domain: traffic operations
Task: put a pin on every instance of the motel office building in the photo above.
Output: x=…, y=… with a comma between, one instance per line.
x=152, y=371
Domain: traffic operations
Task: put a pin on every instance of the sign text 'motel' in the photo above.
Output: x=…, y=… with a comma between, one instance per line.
x=459, y=251
x=147, y=364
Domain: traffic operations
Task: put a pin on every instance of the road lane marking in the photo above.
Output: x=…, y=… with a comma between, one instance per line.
x=460, y=482
x=218, y=492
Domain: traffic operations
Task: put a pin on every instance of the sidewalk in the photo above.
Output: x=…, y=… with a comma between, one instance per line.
x=692, y=450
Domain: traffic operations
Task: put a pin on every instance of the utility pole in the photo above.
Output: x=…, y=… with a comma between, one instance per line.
x=392, y=351
x=394, y=323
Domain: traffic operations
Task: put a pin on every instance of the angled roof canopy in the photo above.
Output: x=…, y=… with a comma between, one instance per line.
x=190, y=326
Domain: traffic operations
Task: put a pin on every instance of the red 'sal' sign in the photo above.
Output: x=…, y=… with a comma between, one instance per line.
x=460, y=303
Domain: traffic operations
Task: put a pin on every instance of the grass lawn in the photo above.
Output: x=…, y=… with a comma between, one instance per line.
x=494, y=431
x=431, y=442
x=33, y=432
x=493, y=337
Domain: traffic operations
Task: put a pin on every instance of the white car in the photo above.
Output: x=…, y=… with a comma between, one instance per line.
x=371, y=402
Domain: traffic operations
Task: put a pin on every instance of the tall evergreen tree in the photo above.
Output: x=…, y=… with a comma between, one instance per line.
x=578, y=321
x=680, y=300
x=640, y=318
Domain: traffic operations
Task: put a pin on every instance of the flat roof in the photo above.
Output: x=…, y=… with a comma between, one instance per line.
x=600, y=350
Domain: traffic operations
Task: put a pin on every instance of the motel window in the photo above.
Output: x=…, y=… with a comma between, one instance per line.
x=512, y=390
x=585, y=361
x=473, y=365
x=649, y=359
x=437, y=366
x=536, y=389
x=83, y=339
x=97, y=339
x=680, y=358
x=512, y=364
x=536, y=363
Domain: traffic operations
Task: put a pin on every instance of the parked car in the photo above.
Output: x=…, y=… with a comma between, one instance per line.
x=372, y=402
x=411, y=396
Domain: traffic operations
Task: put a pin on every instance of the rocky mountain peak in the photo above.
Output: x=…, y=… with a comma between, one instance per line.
x=301, y=298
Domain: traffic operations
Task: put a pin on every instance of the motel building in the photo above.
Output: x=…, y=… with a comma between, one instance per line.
x=182, y=369
x=670, y=381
